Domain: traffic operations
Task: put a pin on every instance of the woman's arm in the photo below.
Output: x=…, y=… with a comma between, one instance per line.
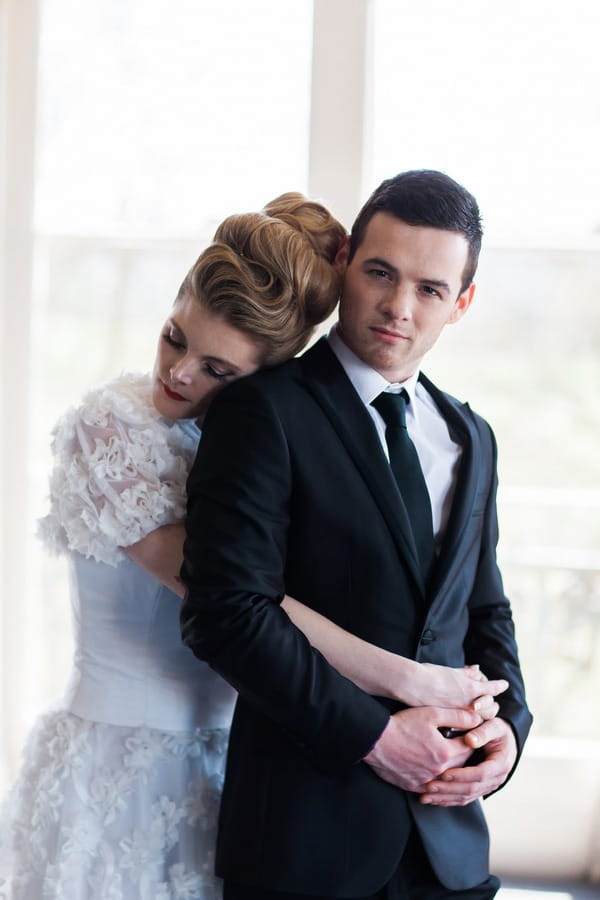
x=386, y=674
x=374, y=670
x=161, y=554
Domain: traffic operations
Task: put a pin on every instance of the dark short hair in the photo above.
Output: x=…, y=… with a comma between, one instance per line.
x=428, y=198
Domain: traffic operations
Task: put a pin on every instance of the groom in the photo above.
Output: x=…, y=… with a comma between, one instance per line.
x=301, y=485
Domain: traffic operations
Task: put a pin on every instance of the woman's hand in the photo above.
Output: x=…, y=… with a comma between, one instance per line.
x=385, y=674
x=468, y=688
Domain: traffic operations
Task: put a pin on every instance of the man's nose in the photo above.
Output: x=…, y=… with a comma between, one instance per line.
x=398, y=302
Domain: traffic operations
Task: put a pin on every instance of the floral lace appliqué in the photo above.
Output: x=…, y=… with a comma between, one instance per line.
x=119, y=472
x=141, y=826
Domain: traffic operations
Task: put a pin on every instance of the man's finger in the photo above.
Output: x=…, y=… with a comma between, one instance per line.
x=489, y=730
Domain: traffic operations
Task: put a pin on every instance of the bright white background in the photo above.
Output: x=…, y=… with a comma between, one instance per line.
x=131, y=127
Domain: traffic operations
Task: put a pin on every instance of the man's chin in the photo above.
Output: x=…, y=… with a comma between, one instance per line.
x=390, y=366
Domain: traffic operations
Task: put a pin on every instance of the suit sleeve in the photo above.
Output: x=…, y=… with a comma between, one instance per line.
x=491, y=639
x=239, y=494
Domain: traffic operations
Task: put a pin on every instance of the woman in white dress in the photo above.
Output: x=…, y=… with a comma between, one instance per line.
x=118, y=793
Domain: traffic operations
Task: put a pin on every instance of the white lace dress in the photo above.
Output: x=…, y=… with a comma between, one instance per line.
x=118, y=793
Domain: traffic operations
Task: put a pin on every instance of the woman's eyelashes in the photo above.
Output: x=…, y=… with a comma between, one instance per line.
x=173, y=341
x=214, y=373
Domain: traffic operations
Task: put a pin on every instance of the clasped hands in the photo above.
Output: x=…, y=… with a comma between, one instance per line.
x=413, y=754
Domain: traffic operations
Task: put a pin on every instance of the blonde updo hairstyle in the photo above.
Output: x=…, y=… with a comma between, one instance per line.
x=271, y=274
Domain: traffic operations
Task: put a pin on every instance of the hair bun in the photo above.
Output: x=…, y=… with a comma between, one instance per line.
x=271, y=274
x=311, y=219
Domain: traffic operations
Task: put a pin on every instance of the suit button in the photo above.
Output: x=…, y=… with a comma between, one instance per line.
x=428, y=636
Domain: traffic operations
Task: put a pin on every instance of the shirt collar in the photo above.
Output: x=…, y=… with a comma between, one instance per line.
x=367, y=383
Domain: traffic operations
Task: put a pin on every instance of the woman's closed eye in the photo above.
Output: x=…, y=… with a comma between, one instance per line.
x=215, y=373
x=170, y=338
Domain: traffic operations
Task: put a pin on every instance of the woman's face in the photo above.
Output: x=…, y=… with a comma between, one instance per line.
x=198, y=354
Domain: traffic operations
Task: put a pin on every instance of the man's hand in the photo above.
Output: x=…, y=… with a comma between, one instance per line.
x=459, y=786
x=411, y=752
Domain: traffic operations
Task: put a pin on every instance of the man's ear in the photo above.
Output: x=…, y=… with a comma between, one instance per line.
x=341, y=257
x=462, y=304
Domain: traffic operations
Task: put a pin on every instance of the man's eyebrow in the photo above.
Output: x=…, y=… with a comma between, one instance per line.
x=382, y=263
x=385, y=264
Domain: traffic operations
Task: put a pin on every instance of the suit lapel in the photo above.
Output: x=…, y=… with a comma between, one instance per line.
x=464, y=431
x=333, y=391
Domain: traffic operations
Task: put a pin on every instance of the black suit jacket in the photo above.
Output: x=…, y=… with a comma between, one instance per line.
x=291, y=491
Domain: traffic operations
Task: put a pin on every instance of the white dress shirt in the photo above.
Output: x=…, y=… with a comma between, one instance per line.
x=438, y=454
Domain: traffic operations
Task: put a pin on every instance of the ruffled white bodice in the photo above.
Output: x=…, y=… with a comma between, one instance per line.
x=120, y=472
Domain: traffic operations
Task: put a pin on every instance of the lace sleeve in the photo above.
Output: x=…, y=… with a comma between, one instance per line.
x=119, y=473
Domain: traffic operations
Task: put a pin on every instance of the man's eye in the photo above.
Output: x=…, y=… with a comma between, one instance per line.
x=430, y=290
x=379, y=273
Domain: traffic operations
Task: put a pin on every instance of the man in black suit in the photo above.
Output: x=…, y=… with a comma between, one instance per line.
x=331, y=792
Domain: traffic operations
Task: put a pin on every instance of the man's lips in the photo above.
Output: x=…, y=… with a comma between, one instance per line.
x=172, y=394
x=388, y=335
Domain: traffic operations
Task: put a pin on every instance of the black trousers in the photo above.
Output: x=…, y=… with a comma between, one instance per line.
x=413, y=880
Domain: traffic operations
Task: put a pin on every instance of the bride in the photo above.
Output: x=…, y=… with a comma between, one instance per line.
x=118, y=793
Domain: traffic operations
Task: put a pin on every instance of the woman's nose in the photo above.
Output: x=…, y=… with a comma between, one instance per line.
x=181, y=372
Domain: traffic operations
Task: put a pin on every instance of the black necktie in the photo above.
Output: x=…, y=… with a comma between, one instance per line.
x=408, y=473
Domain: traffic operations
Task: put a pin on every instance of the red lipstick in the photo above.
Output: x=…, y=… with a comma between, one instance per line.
x=172, y=394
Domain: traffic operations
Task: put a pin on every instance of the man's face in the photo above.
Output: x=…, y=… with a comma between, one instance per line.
x=401, y=288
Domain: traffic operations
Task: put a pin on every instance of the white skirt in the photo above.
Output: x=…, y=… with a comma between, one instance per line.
x=105, y=812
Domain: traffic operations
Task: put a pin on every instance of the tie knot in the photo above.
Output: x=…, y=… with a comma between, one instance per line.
x=392, y=408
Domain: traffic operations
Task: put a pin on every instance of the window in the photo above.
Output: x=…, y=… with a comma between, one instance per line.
x=501, y=98
x=155, y=120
